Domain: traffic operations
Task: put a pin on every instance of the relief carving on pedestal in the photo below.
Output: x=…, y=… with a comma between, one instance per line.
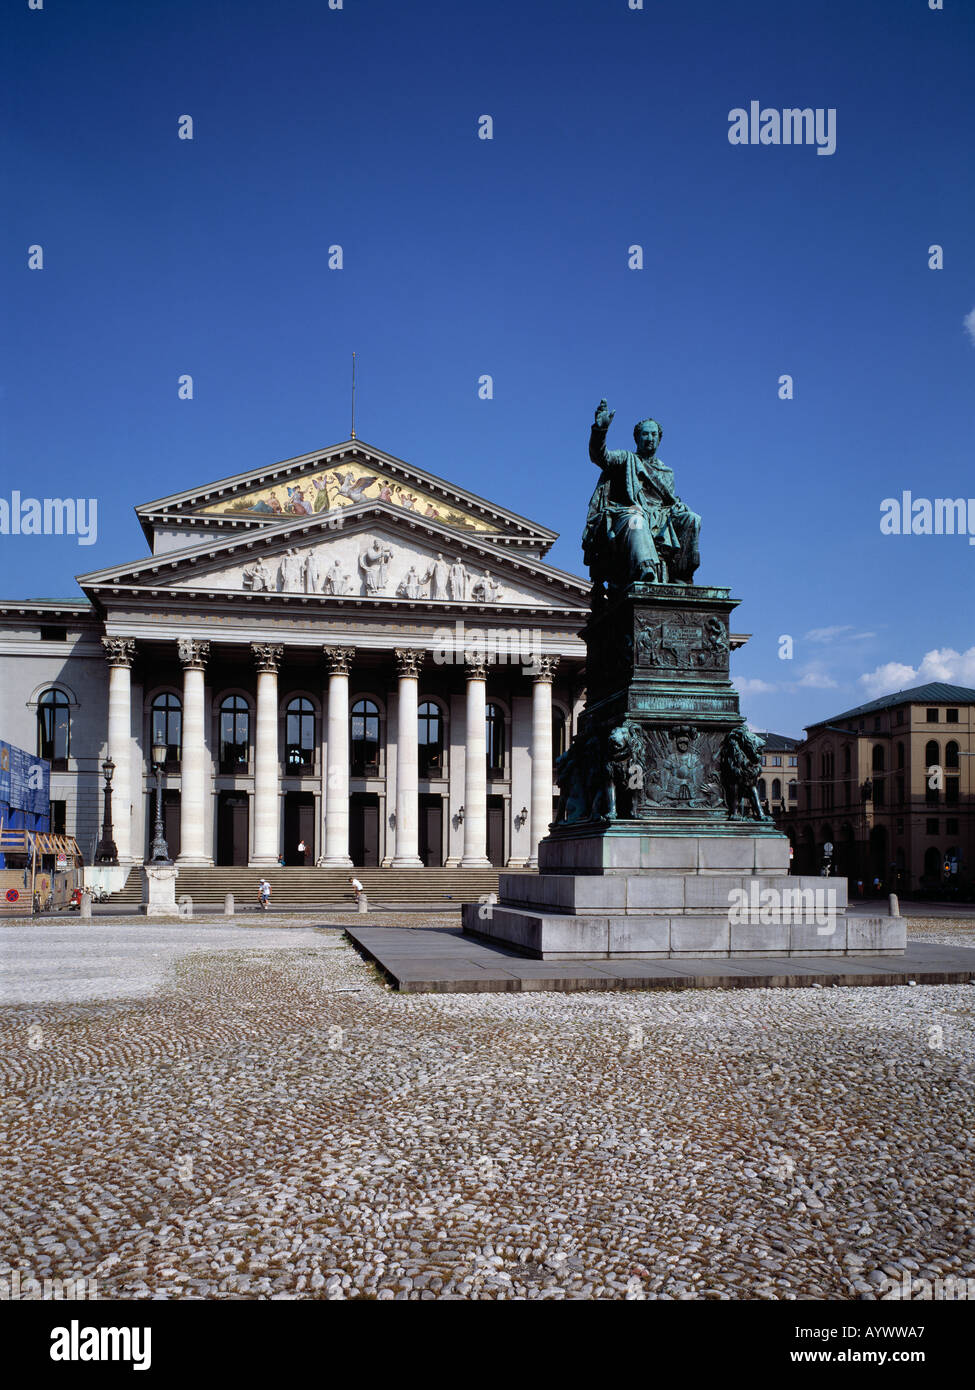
x=685, y=641
x=682, y=768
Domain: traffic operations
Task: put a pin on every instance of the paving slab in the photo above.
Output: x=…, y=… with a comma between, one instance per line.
x=443, y=960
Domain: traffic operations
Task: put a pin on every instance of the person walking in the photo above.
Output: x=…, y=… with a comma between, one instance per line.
x=264, y=894
x=356, y=888
x=302, y=850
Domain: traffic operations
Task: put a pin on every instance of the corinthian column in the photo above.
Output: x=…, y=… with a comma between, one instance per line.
x=266, y=836
x=119, y=652
x=407, y=817
x=336, y=853
x=192, y=756
x=475, y=769
x=541, y=810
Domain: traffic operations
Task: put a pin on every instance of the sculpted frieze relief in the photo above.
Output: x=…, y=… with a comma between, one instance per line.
x=682, y=641
x=370, y=566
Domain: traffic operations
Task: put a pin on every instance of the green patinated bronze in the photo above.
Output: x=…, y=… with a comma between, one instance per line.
x=637, y=528
x=662, y=739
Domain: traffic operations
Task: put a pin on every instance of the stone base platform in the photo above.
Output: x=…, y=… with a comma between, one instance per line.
x=551, y=936
x=625, y=895
x=424, y=960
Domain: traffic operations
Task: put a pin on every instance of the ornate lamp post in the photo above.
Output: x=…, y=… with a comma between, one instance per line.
x=107, y=853
x=159, y=850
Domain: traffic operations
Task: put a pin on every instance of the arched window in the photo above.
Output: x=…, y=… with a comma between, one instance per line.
x=900, y=757
x=299, y=734
x=932, y=864
x=793, y=791
x=364, y=738
x=951, y=754
x=430, y=739
x=776, y=789
x=166, y=724
x=762, y=790
x=558, y=735
x=235, y=733
x=494, y=727
x=54, y=728
x=878, y=757
x=932, y=755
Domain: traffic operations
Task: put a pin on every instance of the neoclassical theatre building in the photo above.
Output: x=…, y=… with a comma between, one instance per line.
x=339, y=650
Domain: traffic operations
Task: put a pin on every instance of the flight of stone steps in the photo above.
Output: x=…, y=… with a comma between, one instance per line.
x=308, y=887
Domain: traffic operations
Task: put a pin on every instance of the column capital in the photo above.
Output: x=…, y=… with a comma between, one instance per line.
x=408, y=661
x=267, y=655
x=545, y=669
x=119, y=651
x=476, y=669
x=193, y=654
x=338, y=660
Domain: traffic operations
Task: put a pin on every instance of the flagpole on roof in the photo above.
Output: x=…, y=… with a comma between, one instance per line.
x=352, y=436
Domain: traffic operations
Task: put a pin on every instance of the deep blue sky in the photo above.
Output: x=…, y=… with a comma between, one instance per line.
x=509, y=257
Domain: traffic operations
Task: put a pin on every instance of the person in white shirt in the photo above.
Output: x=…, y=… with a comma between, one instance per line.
x=356, y=887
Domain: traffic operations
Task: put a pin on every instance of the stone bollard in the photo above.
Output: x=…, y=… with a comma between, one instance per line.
x=895, y=907
x=228, y=905
x=84, y=911
x=363, y=904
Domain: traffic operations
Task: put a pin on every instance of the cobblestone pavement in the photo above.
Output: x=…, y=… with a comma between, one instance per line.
x=260, y=1117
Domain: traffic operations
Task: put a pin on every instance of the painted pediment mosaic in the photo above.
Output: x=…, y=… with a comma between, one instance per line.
x=345, y=485
x=369, y=564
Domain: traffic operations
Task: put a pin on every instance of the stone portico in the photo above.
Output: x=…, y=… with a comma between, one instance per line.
x=341, y=650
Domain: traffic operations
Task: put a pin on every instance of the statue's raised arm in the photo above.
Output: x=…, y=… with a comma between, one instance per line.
x=597, y=437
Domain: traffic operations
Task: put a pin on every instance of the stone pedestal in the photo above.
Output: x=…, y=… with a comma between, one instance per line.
x=159, y=890
x=690, y=896
x=661, y=848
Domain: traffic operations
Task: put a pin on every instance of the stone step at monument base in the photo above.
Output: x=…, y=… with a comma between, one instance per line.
x=661, y=893
x=551, y=935
x=738, y=847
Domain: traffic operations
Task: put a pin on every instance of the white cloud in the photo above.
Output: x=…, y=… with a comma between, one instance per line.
x=749, y=686
x=939, y=664
x=818, y=680
x=893, y=675
x=948, y=665
x=826, y=634
x=970, y=325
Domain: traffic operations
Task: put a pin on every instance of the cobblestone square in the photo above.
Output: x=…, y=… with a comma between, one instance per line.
x=206, y=1110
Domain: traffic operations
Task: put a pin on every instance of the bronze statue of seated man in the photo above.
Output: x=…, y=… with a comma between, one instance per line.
x=637, y=528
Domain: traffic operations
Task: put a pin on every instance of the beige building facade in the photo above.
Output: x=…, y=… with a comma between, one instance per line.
x=889, y=785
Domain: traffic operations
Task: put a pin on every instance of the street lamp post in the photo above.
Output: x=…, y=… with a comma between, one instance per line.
x=159, y=850
x=107, y=853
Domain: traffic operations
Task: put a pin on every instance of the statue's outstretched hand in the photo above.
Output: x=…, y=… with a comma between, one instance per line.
x=604, y=416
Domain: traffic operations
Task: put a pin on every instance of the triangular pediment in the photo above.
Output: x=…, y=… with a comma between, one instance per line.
x=331, y=481
x=373, y=553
